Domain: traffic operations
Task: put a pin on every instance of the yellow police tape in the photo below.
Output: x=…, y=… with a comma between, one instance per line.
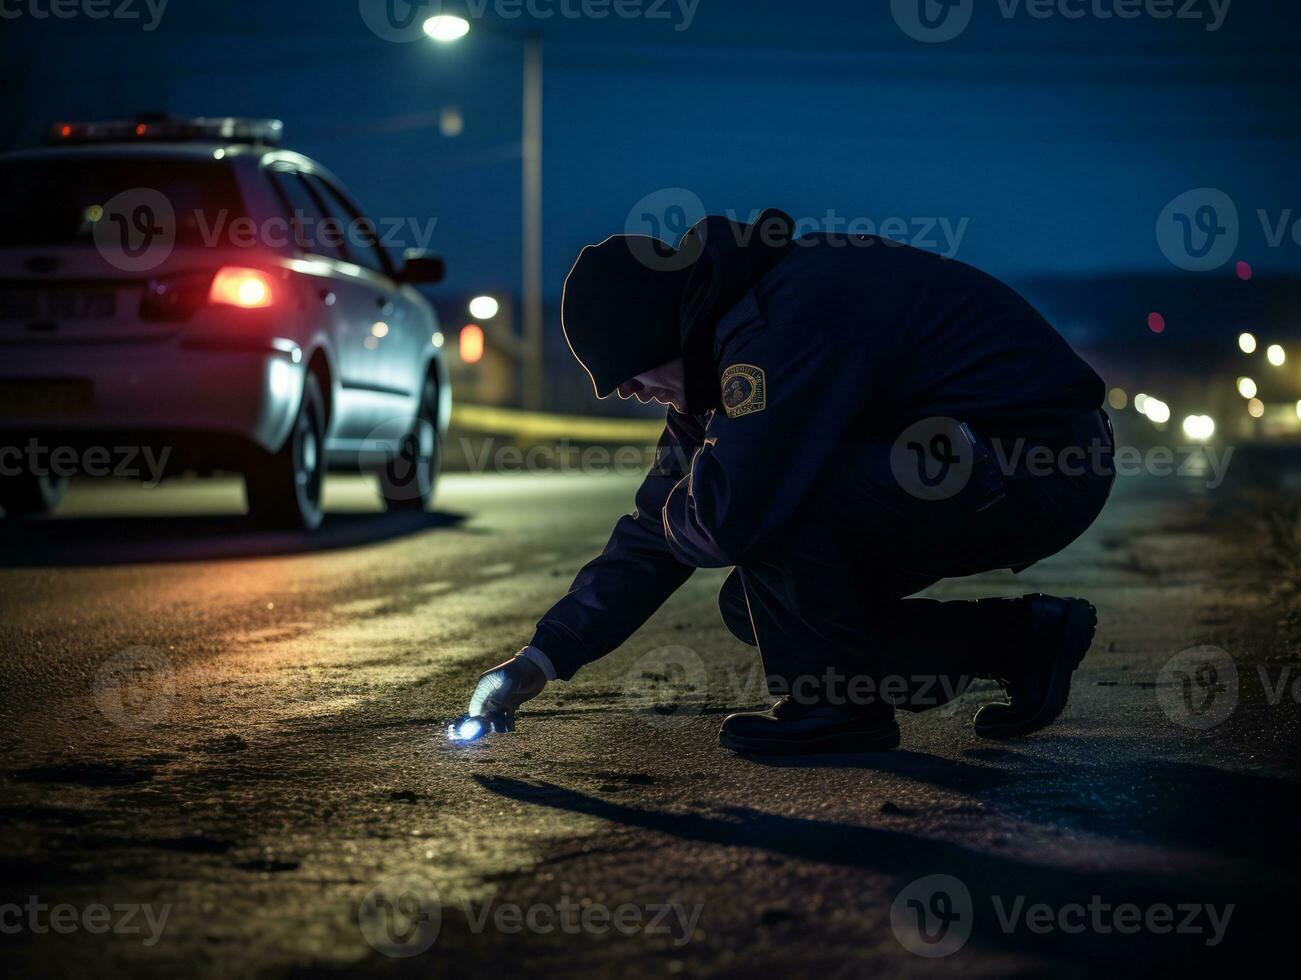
x=540, y=425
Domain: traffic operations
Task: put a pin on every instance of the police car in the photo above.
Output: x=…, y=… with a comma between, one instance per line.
x=190, y=288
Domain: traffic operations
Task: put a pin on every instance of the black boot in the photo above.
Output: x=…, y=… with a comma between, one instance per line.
x=1037, y=673
x=792, y=728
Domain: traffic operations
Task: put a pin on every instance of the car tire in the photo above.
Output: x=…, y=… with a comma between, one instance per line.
x=408, y=479
x=29, y=495
x=284, y=491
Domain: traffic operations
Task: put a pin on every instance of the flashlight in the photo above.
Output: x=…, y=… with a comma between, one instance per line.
x=471, y=728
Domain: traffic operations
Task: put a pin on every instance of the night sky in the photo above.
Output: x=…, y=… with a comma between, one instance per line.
x=1057, y=141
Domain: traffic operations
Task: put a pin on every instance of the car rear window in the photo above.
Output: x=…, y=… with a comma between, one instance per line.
x=52, y=201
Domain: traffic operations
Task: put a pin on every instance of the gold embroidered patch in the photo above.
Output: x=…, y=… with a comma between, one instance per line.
x=744, y=390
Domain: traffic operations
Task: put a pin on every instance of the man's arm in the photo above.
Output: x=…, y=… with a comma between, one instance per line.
x=621, y=588
x=761, y=457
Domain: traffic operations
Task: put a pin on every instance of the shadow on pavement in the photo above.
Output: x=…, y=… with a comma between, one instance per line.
x=87, y=541
x=1262, y=902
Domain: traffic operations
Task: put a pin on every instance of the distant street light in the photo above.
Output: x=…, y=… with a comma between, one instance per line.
x=484, y=307
x=1275, y=355
x=445, y=28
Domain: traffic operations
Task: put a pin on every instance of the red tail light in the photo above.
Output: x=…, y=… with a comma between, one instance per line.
x=249, y=289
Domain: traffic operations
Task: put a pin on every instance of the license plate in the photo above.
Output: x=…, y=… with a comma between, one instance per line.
x=31, y=305
x=44, y=399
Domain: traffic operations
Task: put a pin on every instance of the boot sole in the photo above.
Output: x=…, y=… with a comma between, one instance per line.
x=878, y=740
x=1081, y=622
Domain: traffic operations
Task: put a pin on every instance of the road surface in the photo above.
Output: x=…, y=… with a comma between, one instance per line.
x=224, y=754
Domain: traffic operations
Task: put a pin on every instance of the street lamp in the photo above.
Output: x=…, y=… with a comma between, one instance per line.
x=446, y=28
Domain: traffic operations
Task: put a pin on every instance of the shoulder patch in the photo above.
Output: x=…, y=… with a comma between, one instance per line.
x=744, y=390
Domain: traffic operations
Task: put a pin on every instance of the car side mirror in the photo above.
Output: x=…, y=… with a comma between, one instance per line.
x=422, y=268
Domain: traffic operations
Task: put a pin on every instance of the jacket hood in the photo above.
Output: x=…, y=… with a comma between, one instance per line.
x=634, y=302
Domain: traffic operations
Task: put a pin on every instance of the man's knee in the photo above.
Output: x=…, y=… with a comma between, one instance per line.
x=735, y=609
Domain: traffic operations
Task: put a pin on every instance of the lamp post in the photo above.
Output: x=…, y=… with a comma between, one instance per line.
x=446, y=29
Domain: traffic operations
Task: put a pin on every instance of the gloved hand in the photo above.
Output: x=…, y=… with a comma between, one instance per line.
x=504, y=688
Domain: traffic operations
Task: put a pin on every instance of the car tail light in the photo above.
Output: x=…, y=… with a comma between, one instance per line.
x=249, y=289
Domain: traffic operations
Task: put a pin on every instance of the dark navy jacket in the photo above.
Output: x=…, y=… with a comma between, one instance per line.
x=846, y=338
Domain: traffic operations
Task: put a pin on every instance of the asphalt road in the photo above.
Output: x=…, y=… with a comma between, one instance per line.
x=224, y=754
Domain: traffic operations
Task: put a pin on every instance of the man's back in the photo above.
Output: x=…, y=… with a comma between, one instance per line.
x=923, y=336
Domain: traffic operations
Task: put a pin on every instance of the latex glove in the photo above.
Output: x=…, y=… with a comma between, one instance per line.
x=503, y=688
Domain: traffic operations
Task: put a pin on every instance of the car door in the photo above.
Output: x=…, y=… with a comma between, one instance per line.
x=349, y=305
x=403, y=334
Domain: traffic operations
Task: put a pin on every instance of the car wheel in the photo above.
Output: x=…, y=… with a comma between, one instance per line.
x=29, y=495
x=407, y=480
x=285, y=490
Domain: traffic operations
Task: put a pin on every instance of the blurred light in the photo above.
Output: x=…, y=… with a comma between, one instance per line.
x=484, y=307
x=466, y=729
x=1244, y=271
x=445, y=28
x=1199, y=427
x=248, y=289
x=1246, y=388
x=1117, y=398
x=1155, y=322
x=280, y=378
x=1247, y=343
x=1255, y=408
x=379, y=329
x=141, y=129
x=94, y=213
x=437, y=338
x=1298, y=410
x=1274, y=354
x=1140, y=403
x=370, y=343
x=471, y=343
x=65, y=131
x=219, y=154
x=1156, y=410
x=450, y=122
